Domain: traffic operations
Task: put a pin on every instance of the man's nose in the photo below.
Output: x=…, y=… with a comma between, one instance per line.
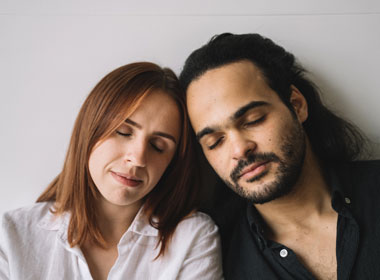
x=241, y=145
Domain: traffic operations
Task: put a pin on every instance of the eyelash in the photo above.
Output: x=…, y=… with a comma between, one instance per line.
x=123, y=134
x=130, y=134
x=259, y=120
x=156, y=148
x=213, y=146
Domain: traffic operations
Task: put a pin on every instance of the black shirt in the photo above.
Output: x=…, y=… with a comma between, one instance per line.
x=355, y=190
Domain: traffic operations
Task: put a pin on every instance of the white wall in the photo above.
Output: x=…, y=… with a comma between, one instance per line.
x=53, y=52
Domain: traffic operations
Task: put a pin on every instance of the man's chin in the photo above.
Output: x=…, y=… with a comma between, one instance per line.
x=261, y=198
x=258, y=191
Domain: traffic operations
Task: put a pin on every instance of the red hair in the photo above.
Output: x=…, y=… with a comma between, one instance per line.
x=112, y=101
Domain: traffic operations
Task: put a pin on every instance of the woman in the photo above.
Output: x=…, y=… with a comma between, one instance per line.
x=123, y=205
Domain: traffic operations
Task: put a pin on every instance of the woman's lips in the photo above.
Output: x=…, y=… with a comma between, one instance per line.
x=127, y=180
x=254, y=170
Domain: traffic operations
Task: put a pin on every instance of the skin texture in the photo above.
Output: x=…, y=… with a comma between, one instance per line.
x=257, y=145
x=136, y=150
x=125, y=167
x=267, y=137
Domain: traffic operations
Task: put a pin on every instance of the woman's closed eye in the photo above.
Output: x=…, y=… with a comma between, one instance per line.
x=126, y=134
x=158, y=145
x=124, y=130
x=155, y=147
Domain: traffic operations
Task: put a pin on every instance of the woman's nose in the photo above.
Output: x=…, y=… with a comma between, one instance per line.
x=136, y=153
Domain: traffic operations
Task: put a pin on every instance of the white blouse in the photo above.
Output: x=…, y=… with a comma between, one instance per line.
x=33, y=245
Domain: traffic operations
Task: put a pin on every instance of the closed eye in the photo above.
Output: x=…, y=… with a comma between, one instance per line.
x=123, y=134
x=159, y=144
x=216, y=143
x=156, y=148
x=259, y=120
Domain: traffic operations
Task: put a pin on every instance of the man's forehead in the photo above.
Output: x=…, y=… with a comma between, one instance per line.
x=225, y=89
x=234, y=80
x=243, y=69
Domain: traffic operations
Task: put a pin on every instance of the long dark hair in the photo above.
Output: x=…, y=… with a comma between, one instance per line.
x=113, y=100
x=332, y=138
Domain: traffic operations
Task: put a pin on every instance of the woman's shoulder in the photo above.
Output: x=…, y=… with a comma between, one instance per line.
x=197, y=223
x=199, y=217
x=27, y=216
x=196, y=245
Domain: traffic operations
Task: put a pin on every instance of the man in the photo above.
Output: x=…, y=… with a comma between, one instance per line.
x=307, y=210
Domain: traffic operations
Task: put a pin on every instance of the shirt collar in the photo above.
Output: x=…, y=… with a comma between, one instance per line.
x=255, y=220
x=336, y=176
x=338, y=179
x=141, y=225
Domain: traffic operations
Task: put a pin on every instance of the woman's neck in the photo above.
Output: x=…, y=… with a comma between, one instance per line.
x=114, y=220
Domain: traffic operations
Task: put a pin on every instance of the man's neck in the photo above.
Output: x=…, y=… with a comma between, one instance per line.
x=307, y=204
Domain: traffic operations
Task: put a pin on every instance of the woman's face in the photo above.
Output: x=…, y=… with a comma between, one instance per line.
x=128, y=164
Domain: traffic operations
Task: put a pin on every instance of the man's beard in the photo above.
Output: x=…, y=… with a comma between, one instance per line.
x=286, y=176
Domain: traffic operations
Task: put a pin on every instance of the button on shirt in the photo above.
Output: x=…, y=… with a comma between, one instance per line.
x=34, y=245
x=355, y=190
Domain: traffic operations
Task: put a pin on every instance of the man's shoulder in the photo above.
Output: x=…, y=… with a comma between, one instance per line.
x=364, y=171
x=365, y=164
x=360, y=181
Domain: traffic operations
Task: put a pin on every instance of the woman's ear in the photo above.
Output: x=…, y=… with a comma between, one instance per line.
x=299, y=103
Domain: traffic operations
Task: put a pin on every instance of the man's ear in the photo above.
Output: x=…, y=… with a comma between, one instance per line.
x=299, y=103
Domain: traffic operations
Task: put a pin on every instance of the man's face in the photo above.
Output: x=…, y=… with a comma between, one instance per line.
x=251, y=139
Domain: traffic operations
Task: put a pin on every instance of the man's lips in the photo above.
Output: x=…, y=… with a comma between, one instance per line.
x=253, y=169
x=126, y=179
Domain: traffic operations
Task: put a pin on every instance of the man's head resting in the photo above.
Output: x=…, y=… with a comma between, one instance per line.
x=256, y=115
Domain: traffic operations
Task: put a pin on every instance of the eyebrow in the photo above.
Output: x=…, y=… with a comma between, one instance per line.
x=157, y=133
x=242, y=110
x=239, y=113
x=133, y=123
x=203, y=132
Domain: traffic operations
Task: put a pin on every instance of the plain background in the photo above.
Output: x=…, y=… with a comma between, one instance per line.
x=52, y=53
